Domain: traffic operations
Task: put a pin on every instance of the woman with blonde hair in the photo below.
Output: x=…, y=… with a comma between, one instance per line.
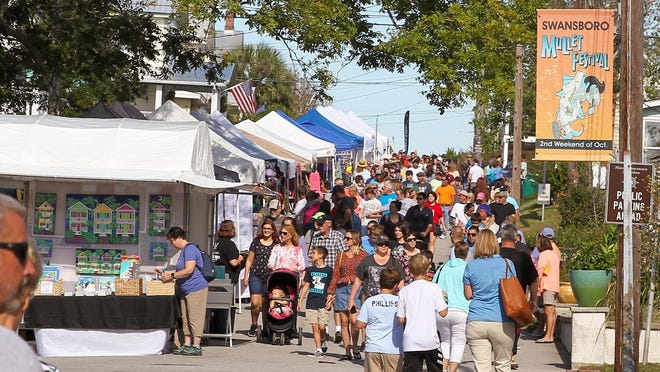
x=489, y=330
x=341, y=286
x=288, y=254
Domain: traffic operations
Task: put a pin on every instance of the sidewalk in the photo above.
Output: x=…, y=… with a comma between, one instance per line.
x=246, y=355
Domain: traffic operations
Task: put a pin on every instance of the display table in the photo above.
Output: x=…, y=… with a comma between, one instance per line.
x=101, y=325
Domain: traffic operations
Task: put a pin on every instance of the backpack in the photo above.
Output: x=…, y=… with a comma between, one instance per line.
x=208, y=267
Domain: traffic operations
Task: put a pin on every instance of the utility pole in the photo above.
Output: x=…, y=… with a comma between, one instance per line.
x=517, y=125
x=626, y=357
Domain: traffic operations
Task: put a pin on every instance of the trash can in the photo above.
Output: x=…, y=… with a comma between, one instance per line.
x=218, y=320
x=529, y=186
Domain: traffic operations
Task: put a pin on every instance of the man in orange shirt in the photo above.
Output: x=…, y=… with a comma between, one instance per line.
x=446, y=194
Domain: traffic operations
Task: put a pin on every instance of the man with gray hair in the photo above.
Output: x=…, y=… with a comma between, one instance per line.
x=15, y=268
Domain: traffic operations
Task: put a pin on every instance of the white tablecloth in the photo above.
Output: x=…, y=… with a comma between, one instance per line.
x=98, y=342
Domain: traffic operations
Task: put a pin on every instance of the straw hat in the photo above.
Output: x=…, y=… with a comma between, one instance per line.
x=362, y=163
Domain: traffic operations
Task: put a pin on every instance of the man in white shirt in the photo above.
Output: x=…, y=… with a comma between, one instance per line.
x=458, y=210
x=475, y=173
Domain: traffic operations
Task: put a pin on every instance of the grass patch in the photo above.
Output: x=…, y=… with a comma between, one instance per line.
x=530, y=217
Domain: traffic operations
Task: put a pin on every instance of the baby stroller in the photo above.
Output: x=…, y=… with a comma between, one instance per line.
x=279, y=323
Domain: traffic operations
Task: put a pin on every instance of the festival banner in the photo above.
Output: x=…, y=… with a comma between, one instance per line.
x=574, y=79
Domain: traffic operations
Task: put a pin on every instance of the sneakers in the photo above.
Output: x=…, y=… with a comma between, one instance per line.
x=338, y=338
x=443, y=236
x=192, y=351
x=180, y=350
x=253, y=331
x=317, y=354
x=324, y=346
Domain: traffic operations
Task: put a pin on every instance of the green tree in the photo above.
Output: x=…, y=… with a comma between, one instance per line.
x=67, y=55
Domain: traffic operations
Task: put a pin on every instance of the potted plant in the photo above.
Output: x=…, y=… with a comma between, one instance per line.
x=590, y=265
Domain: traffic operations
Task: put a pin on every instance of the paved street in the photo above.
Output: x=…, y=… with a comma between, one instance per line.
x=246, y=355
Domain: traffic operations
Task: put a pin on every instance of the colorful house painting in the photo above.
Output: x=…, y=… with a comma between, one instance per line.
x=160, y=218
x=126, y=220
x=82, y=262
x=45, y=216
x=102, y=220
x=78, y=216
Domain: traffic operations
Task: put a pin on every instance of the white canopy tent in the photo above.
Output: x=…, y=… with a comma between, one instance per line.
x=383, y=143
x=225, y=154
x=341, y=120
x=42, y=147
x=280, y=131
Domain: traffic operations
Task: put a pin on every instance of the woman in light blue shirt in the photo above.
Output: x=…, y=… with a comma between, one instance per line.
x=489, y=329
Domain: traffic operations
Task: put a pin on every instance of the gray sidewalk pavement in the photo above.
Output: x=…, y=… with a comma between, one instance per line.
x=247, y=355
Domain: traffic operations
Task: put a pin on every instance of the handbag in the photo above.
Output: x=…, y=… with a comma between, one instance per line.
x=514, y=299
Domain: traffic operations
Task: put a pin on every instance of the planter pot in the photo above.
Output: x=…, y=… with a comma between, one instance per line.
x=565, y=295
x=590, y=286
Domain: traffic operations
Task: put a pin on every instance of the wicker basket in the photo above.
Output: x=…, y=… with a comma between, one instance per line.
x=158, y=288
x=131, y=287
x=58, y=289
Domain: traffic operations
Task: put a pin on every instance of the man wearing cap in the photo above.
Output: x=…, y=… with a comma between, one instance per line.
x=420, y=220
x=514, y=202
x=422, y=184
x=409, y=183
x=458, y=210
x=415, y=168
x=15, y=268
x=500, y=208
x=386, y=196
x=368, y=271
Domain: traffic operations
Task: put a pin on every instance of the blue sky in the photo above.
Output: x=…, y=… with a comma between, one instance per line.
x=381, y=99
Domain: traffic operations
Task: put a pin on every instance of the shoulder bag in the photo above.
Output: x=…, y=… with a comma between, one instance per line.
x=514, y=299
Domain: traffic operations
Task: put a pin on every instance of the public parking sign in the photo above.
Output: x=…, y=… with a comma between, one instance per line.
x=642, y=174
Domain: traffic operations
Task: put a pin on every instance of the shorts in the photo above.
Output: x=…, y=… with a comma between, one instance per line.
x=341, y=297
x=256, y=285
x=317, y=316
x=548, y=298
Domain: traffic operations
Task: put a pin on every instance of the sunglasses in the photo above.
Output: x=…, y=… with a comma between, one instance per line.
x=411, y=239
x=348, y=238
x=383, y=244
x=471, y=234
x=420, y=198
x=19, y=249
x=284, y=233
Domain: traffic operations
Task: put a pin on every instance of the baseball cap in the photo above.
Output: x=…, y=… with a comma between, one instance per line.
x=420, y=173
x=485, y=208
x=481, y=196
x=381, y=239
x=548, y=232
x=321, y=217
x=502, y=194
x=464, y=193
x=273, y=204
x=378, y=171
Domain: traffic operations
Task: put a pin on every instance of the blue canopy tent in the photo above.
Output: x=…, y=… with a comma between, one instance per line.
x=315, y=117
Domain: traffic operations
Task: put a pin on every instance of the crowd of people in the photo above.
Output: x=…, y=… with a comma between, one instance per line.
x=370, y=256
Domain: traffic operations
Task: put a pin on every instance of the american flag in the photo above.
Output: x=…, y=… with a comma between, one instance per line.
x=244, y=98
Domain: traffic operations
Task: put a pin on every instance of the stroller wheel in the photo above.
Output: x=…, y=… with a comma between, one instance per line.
x=282, y=339
x=300, y=336
x=273, y=338
x=259, y=330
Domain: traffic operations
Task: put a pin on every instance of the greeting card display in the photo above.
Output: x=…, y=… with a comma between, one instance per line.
x=159, y=214
x=44, y=214
x=85, y=285
x=130, y=268
x=51, y=273
x=106, y=285
x=107, y=219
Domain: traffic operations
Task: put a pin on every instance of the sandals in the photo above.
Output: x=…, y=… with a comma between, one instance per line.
x=357, y=355
x=544, y=341
x=346, y=357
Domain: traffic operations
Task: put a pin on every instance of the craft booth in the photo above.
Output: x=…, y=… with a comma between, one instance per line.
x=101, y=194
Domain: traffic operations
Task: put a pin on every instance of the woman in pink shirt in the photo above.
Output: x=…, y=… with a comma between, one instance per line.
x=548, y=270
x=288, y=254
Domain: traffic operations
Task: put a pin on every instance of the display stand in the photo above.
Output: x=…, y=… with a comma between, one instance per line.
x=220, y=297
